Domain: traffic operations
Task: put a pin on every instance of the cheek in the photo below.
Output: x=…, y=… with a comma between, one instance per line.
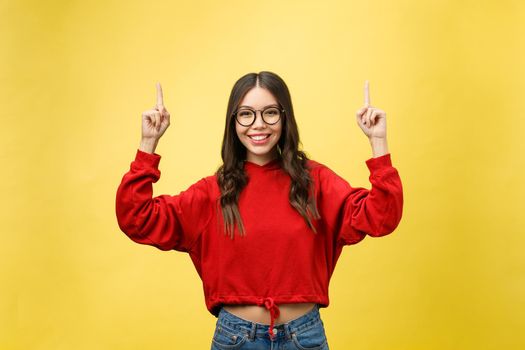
x=279, y=130
x=238, y=131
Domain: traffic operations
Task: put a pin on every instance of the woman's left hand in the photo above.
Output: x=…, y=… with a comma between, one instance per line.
x=370, y=119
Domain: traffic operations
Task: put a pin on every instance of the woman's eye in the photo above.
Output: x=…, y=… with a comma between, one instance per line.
x=272, y=112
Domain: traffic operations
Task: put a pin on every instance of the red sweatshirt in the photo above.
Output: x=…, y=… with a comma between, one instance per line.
x=280, y=259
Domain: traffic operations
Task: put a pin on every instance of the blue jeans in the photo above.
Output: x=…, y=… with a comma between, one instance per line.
x=304, y=333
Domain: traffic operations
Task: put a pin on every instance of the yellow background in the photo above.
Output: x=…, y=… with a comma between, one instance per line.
x=75, y=77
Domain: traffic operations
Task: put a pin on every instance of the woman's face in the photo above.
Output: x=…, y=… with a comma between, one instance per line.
x=260, y=139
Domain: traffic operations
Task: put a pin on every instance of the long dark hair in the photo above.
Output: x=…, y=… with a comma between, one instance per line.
x=231, y=176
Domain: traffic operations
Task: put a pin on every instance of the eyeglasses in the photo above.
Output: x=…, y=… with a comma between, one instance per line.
x=246, y=116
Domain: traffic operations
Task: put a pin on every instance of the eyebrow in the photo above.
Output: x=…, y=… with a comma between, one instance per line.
x=272, y=105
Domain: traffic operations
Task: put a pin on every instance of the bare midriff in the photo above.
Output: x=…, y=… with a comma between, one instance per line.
x=260, y=314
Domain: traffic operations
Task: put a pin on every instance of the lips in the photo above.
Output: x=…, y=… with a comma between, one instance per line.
x=259, y=137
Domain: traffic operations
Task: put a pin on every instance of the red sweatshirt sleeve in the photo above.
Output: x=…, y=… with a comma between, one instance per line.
x=166, y=222
x=354, y=212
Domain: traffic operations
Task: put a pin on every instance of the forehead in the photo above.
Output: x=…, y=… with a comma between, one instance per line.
x=258, y=97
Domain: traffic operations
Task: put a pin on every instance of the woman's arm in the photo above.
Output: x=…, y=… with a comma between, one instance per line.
x=379, y=147
x=354, y=212
x=166, y=222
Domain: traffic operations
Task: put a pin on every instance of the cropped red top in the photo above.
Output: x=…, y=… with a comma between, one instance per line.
x=280, y=259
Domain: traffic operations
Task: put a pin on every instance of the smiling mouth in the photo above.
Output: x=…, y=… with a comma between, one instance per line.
x=259, y=137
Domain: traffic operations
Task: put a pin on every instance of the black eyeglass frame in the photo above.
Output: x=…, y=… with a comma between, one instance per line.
x=234, y=114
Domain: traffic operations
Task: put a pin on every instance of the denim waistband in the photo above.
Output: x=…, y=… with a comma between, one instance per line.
x=253, y=329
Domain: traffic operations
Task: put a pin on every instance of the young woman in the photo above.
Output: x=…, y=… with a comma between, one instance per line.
x=266, y=230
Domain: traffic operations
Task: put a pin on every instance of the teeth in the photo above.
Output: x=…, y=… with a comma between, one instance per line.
x=258, y=138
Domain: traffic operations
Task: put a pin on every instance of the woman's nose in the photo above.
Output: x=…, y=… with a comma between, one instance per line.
x=259, y=122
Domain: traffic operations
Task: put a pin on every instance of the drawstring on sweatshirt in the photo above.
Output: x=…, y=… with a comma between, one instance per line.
x=269, y=303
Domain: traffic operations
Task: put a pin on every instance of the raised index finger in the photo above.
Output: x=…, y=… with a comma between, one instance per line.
x=160, y=100
x=367, y=93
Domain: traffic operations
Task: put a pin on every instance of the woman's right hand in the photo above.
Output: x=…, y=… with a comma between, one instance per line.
x=155, y=121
